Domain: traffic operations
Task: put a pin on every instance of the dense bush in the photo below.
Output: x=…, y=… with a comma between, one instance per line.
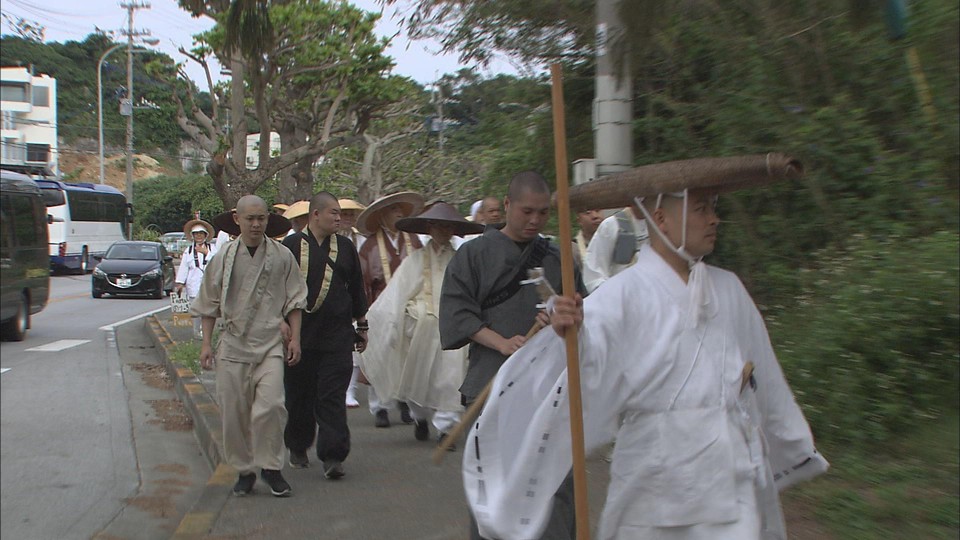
x=871, y=349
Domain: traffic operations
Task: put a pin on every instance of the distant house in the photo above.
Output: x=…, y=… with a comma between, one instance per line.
x=253, y=148
x=29, y=132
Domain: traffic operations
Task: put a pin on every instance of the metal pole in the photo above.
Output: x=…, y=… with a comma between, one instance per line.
x=613, y=107
x=100, y=100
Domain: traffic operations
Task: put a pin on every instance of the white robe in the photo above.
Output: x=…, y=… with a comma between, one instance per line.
x=404, y=359
x=598, y=265
x=189, y=273
x=694, y=457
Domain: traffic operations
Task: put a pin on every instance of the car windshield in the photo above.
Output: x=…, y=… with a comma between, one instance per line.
x=132, y=253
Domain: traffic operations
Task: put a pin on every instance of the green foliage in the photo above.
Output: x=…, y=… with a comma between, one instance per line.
x=74, y=65
x=871, y=346
x=168, y=202
x=187, y=354
x=909, y=489
x=147, y=234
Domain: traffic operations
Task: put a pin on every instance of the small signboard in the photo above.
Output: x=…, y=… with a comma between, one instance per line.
x=180, y=307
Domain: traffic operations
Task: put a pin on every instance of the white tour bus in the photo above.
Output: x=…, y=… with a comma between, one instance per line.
x=87, y=219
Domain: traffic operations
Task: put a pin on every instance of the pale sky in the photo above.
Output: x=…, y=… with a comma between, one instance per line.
x=67, y=20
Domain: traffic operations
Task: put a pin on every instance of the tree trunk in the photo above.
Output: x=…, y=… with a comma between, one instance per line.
x=296, y=181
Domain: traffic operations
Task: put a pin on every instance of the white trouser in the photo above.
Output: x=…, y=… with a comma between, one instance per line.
x=376, y=404
x=443, y=421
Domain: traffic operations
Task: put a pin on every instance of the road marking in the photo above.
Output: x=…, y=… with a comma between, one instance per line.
x=57, y=346
x=111, y=327
x=4, y=370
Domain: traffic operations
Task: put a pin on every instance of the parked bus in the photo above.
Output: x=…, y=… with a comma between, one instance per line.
x=87, y=219
x=24, y=260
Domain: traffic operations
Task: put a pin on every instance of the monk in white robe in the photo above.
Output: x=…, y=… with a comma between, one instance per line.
x=255, y=286
x=404, y=359
x=704, y=443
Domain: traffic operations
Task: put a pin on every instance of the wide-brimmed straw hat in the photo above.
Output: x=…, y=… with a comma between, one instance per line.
x=189, y=226
x=722, y=174
x=297, y=209
x=350, y=204
x=439, y=213
x=369, y=219
x=277, y=225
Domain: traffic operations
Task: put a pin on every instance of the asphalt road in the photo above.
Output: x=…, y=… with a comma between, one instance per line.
x=85, y=416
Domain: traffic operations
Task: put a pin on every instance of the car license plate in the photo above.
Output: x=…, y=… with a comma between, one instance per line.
x=123, y=282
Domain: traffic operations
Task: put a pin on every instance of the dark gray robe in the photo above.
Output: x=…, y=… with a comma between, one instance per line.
x=479, y=269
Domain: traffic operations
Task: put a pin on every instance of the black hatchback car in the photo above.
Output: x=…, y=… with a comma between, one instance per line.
x=134, y=268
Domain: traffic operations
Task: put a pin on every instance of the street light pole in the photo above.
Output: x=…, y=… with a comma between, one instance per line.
x=100, y=100
x=103, y=58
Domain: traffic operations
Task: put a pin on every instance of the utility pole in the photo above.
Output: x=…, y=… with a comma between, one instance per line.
x=127, y=107
x=613, y=104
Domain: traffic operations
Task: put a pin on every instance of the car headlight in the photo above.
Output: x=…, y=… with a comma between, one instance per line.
x=151, y=274
x=97, y=272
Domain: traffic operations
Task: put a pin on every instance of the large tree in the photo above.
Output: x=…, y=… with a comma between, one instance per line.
x=315, y=84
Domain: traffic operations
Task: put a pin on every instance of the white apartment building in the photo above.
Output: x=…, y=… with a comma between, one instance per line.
x=253, y=148
x=29, y=133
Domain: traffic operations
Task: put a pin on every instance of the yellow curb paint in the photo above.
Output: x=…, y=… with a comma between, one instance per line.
x=184, y=373
x=209, y=408
x=224, y=475
x=195, y=525
x=193, y=388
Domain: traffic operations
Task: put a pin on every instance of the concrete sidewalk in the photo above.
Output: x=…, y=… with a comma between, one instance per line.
x=391, y=488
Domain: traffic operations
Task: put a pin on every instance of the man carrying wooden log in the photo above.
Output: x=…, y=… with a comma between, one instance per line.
x=675, y=362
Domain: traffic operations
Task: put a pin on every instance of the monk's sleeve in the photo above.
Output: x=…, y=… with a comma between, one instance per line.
x=207, y=302
x=296, y=287
x=520, y=447
x=459, y=305
x=596, y=269
x=793, y=455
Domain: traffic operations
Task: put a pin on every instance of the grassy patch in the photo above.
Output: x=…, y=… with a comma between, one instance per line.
x=187, y=354
x=907, y=489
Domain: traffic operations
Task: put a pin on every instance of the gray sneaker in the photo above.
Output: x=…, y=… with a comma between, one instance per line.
x=244, y=484
x=332, y=470
x=299, y=460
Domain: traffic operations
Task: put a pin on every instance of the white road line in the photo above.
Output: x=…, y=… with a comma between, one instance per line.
x=58, y=346
x=4, y=370
x=135, y=317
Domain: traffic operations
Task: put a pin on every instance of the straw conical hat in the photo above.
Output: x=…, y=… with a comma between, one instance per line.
x=369, y=219
x=281, y=207
x=439, y=213
x=297, y=209
x=722, y=174
x=188, y=227
x=350, y=204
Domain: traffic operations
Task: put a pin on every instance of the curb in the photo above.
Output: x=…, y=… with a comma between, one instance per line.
x=207, y=428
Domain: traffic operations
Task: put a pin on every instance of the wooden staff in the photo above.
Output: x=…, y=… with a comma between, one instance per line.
x=569, y=290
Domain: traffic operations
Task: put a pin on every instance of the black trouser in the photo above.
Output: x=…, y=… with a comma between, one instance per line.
x=316, y=391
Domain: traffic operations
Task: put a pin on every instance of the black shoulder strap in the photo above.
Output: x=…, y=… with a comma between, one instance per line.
x=541, y=247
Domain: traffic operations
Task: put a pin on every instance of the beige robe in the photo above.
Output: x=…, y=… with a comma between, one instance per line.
x=252, y=295
x=404, y=359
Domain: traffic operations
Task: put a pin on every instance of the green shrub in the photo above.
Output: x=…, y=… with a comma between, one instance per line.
x=871, y=348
